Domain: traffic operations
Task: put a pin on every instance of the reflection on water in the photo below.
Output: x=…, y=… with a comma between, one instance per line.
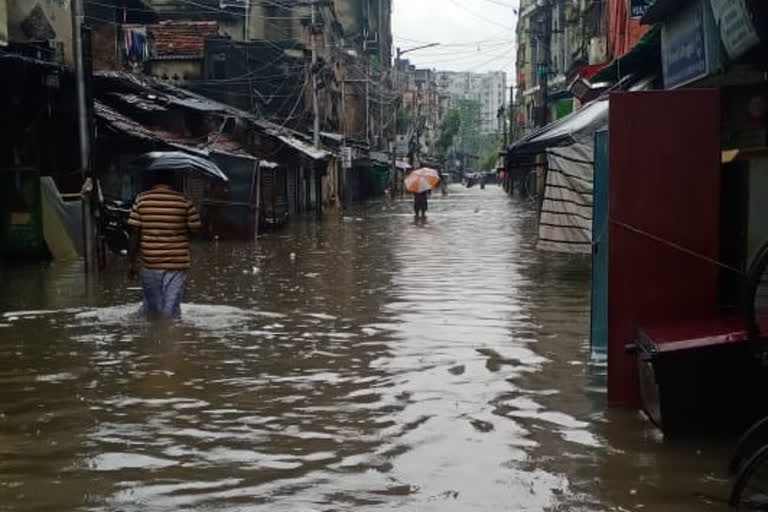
x=363, y=363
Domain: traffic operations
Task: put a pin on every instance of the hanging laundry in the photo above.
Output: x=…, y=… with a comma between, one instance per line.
x=136, y=43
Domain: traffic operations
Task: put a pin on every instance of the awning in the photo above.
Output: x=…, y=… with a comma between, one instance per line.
x=567, y=130
x=643, y=58
x=565, y=222
x=304, y=147
x=380, y=157
x=29, y=61
x=577, y=127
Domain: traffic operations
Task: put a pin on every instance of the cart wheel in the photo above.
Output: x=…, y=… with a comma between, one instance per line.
x=756, y=299
x=750, y=491
x=752, y=440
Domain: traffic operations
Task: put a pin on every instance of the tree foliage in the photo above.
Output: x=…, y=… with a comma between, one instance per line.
x=448, y=131
x=470, y=140
x=489, y=155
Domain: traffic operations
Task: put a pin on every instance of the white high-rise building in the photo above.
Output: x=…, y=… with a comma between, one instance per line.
x=489, y=89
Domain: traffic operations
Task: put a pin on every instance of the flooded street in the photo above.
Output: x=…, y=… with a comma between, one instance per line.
x=357, y=364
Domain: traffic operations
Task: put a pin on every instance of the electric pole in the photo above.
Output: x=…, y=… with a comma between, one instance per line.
x=399, y=57
x=315, y=103
x=544, y=64
x=78, y=18
x=368, y=108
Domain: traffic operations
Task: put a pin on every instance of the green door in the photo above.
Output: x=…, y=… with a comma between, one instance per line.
x=21, y=219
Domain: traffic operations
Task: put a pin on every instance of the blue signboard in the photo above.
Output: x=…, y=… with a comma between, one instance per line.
x=638, y=8
x=684, y=47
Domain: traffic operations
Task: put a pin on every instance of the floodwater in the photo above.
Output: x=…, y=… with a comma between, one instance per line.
x=364, y=363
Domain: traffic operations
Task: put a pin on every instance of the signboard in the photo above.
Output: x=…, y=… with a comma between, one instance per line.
x=736, y=28
x=346, y=157
x=684, y=47
x=638, y=8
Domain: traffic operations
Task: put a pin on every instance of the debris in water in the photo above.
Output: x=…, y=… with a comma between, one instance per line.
x=481, y=426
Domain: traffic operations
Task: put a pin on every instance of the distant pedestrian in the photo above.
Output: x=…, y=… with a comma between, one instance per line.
x=160, y=222
x=420, y=205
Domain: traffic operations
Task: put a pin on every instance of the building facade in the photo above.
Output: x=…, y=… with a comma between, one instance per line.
x=488, y=89
x=561, y=45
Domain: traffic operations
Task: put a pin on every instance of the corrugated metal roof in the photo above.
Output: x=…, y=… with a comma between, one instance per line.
x=306, y=148
x=171, y=94
x=128, y=126
x=122, y=123
x=140, y=102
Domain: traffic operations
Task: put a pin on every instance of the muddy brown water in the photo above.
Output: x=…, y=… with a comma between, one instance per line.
x=365, y=363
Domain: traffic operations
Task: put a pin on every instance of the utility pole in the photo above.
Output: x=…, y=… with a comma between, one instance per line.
x=315, y=104
x=544, y=64
x=247, y=22
x=368, y=110
x=78, y=18
x=399, y=57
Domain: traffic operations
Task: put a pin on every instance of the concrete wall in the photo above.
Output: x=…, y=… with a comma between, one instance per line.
x=35, y=20
x=350, y=15
x=104, y=47
x=355, y=15
x=177, y=71
x=272, y=23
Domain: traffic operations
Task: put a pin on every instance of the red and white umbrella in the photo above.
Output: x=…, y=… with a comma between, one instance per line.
x=422, y=180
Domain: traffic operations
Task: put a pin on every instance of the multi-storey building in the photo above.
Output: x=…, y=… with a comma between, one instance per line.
x=420, y=101
x=488, y=89
x=561, y=44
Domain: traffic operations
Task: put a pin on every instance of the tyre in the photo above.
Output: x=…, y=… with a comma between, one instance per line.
x=750, y=490
x=756, y=294
x=752, y=440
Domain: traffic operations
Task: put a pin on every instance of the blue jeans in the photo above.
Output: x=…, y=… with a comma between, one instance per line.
x=163, y=291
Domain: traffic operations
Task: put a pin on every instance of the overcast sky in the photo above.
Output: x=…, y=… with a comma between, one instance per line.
x=475, y=35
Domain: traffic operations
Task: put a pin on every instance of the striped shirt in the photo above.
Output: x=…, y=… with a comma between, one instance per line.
x=165, y=218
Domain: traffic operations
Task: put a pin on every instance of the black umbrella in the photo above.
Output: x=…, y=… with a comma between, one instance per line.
x=159, y=161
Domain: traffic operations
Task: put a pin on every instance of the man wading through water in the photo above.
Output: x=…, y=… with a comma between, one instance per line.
x=160, y=222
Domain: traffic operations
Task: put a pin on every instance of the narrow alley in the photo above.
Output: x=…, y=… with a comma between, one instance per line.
x=438, y=367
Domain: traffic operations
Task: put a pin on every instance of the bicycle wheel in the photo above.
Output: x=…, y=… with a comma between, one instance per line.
x=752, y=440
x=750, y=491
x=756, y=299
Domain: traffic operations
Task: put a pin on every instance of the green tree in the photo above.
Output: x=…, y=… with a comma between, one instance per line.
x=470, y=140
x=448, y=131
x=489, y=154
